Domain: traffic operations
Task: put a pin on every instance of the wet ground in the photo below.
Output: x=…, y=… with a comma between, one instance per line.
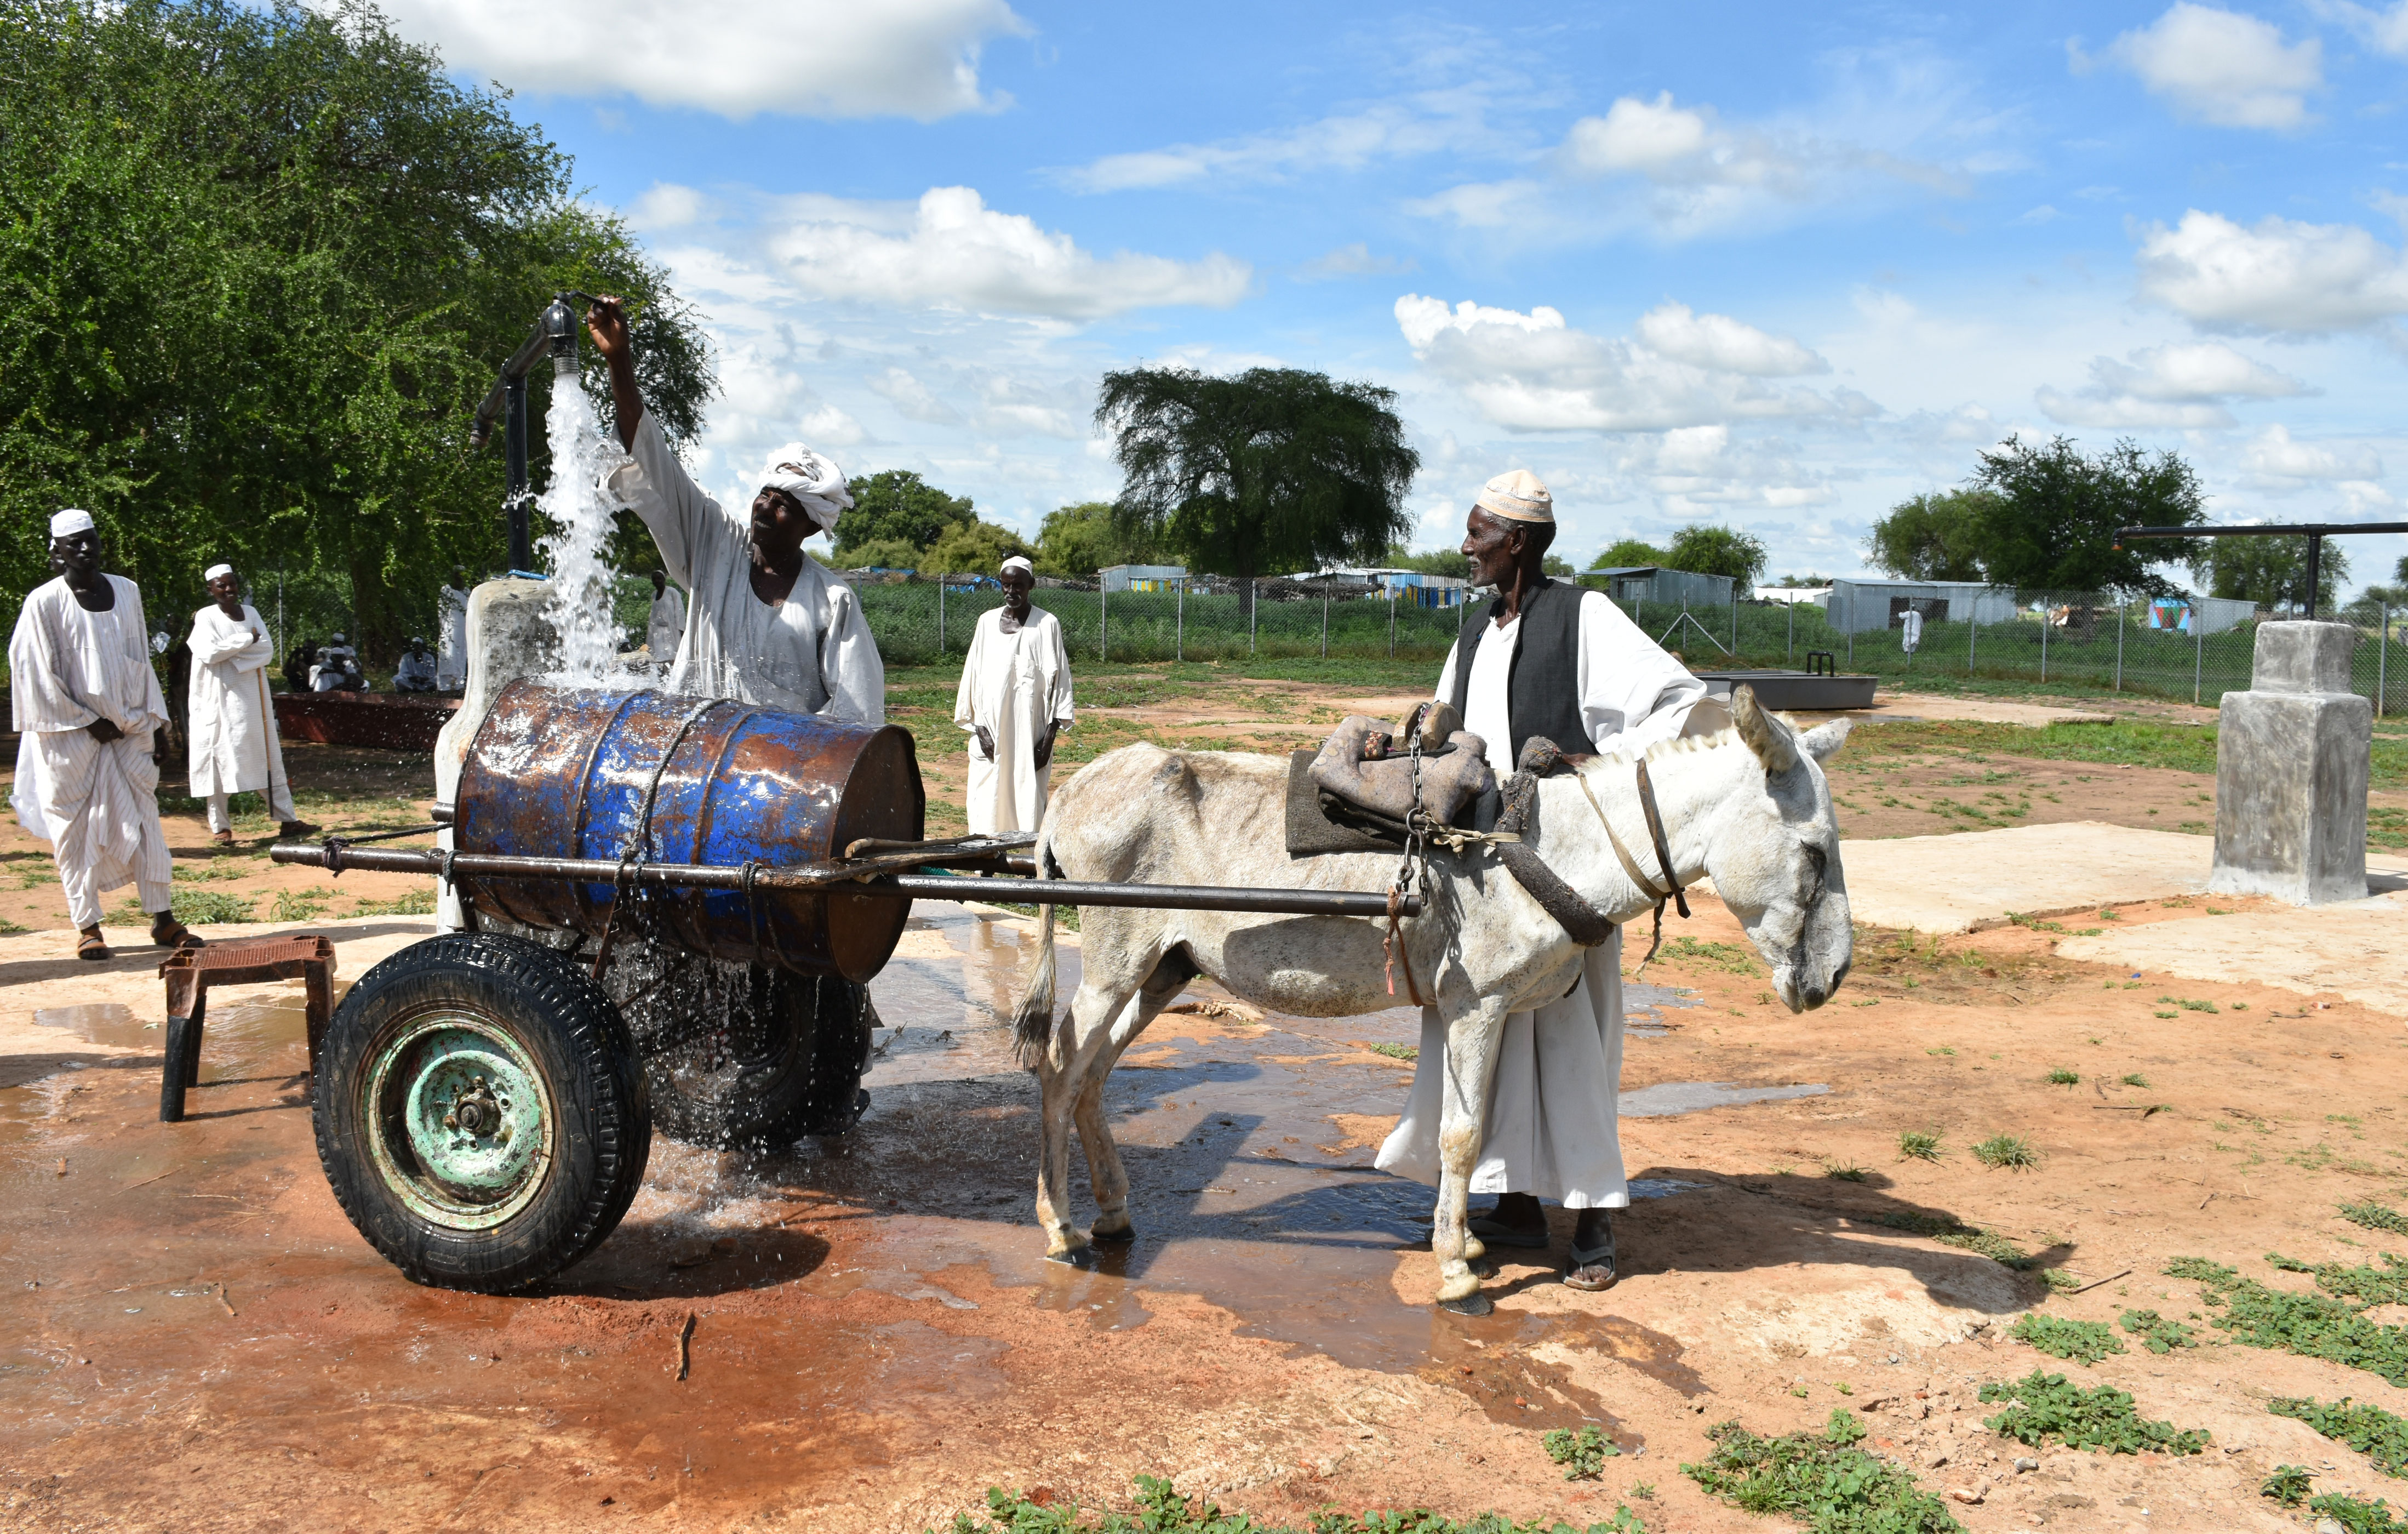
x=863, y=1334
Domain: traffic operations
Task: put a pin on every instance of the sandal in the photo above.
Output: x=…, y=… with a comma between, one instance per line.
x=91, y=945
x=1591, y=1268
x=223, y=838
x=172, y=933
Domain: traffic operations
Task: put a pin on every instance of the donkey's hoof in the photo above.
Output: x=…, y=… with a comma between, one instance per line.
x=1073, y=1256
x=1474, y=1303
x=1474, y=1248
x=1117, y=1236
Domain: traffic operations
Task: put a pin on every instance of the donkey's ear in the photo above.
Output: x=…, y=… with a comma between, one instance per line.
x=1823, y=741
x=1766, y=736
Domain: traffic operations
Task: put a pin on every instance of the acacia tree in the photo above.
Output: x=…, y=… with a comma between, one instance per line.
x=1704, y=549
x=1933, y=536
x=1274, y=470
x=2271, y=570
x=2053, y=513
x=259, y=267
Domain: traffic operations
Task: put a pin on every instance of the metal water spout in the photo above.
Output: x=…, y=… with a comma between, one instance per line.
x=554, y=335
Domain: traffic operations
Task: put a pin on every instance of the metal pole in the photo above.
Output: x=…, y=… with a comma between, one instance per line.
x=1103, y=617
x=1253, y=600
x=1324, y=615
x=2198, y=649
x=1179, y=639
x=1734, y=649
x=1973, y=633
x=1793, y=633
x=2044, y=638
x=940, y=613
x=2120, y=603
x=280, y=615
x=2383, y=660
x=1392, y=622
x=2316, y=558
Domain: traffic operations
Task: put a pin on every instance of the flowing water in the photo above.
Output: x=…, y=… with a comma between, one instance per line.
x=582, y=607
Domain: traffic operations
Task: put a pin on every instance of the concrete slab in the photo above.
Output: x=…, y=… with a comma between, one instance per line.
x=1984, y=710
x=2332, y=950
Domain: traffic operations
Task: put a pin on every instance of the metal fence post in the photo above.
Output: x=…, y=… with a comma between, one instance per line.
x=2044, y=638
x=1793, y=633
x=2119, y=642
x=1179, y=639
x=1973, y=632
x=1392, y=621
x=1734, y=649
x=2198, y=649
x=1253, y=601
x=1103, y=619
x=1324, y=617
x=2383, y=660
x=941, y=615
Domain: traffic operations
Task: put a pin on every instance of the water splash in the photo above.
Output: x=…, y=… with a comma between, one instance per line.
x=583, y=600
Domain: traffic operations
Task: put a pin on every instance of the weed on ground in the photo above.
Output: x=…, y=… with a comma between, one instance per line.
x=415, y=903
x=1161, y=1510
x=2355, y=1514
x=2045, y=1408
x=2313, y=1325
x=2377, y=1434
x=2373, y=1216
x=1585, y=1452
x=1950, y=1231
x=1914, y=1144
x=195, y=908
x=1730, y=958
x=2287, y=1485
x=1398, y=1052
x=2007, y=1152
x=2084, y=1341
x=2385, y=1285
x=1823, y=1480
x=2159, y=1333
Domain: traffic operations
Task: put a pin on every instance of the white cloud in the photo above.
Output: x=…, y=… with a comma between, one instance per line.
x=735, y=58
x=2224, y=68
x=2180, y=385
x=912, y=398
x=668, y=206
x=827, y=427
x=1657, y=140
x=1355, y=260
x=1425, y=123
x=2042, y=214
x=1718, y=341
x=951, y=250
x=1533, y=372
x=2280, y=276
x=2384, y=31
x=2273, y=455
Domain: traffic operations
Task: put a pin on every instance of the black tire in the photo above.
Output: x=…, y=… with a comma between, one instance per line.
x=744, y=1054
x=467, y=1205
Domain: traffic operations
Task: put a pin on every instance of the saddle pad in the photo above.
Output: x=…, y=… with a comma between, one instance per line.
x=1309, y=829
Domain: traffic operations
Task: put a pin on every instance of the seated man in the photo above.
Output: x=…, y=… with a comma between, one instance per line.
x=338, y=669
x=416, y=673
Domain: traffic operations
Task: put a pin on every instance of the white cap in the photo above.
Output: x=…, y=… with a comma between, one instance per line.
x=216, y=571
x=1019, y=562
x=1517, y=493
x=70, y=521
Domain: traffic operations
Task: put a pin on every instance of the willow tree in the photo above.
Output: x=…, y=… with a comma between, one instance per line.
x=1274, y=470
x=259, y=265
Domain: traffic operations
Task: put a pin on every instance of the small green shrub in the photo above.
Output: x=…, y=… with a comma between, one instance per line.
x=2355, y=1514
x=2379, y=1435
x=2373, y=1216
x=1843, y=1171
x=2385, y=1285
x=416, y=903
x=1164, y=1511
x=2045, y=1408
x=1914, y=1144
x=296, y=905
x=2085, y=1341
x=194, y=907
x=2006, y=1153
x=1586, y=1450
x=2312, y=1326
x=2062, y=1076
x=2136, y=1078
x=2161, y=1333
x=1823, y=1478
x=2287, y=1485
x=1949, y=1231
x=1398, y=1052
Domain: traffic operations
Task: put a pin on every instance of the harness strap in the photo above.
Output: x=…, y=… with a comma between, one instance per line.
x=1663, y=852
x=1395, y=945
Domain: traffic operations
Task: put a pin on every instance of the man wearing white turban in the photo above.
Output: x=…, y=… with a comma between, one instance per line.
x=767, y=624
x=1546, y=659
x=1014, y=700
x=233, y=733
x=85, y=702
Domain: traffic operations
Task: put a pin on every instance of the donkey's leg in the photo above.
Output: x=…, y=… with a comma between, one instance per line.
x=1089, y=1034
x=1471, y=1054
x=1104, y=1173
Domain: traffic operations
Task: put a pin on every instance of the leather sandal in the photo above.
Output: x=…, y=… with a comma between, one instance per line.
x=1591, y=1268
x=91, y=945
x=171, y=933
x=223, y=838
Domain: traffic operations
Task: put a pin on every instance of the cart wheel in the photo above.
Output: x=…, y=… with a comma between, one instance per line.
x=481, y=1115
x=763, y=1058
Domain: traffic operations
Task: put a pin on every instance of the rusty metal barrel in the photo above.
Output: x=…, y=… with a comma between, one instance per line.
x=585, y=773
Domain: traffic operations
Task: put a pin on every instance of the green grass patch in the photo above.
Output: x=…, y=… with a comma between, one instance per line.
x=194, y=907
x=2062, y=1076
x=2006, y=1153
x=297, y=904
x=1843, y=1171
x=416, y=903
x=2385, y=1285
x=2048, y=1409
x=1730, y=958
x=2379, y=1435
x=2313, y=1325
x=2160, y=1334
x=1584, y=1453
x=1161, y=1510
x=2375, y=1216
x=2355, y=1514
x=1950, y=1231
x=1914, y=1145
x=2084, y=1341
x=1823, y=1480
x=2287, y=1485
x=1397, y=1052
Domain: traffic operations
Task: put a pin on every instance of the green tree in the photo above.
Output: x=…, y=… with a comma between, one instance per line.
x=972, y=548
x=1629, y=553
x=2271, y=570
x=1933, y=536
x=2055, y=513
x=1703, y=548
x=1275, y=469
x=258, y=266
x=897, y=505
x=1077, y=540
x=1437, y=562
x=891, y=554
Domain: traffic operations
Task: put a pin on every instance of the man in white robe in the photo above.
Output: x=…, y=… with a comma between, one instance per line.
x=416, y=670
x=1014, y=700
x=1551, y=659
x=85, y=701
x=337, y=668
x=768, y=624
x=665, y=628
x=235, y=749
x=452, y=636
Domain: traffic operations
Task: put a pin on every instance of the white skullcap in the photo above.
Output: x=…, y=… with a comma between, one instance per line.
x=1517, y=493
x=216, y=571
x=1019, y=562
x=70, y=521
x=812, y=480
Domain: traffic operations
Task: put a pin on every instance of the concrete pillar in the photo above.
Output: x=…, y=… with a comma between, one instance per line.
x=2291, y=760
x=509, y=636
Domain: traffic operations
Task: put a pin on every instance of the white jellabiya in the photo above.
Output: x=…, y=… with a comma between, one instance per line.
x=1747, y=808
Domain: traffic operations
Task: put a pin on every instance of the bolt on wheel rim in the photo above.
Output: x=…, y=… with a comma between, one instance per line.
x=460, y=1120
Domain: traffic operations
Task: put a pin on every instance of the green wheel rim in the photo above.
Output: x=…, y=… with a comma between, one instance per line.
x=461, y=1122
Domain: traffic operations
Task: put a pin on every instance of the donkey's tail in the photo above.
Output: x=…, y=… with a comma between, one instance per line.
x=1033, y=1024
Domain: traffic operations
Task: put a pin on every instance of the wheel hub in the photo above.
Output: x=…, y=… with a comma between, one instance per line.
x=465, y=1122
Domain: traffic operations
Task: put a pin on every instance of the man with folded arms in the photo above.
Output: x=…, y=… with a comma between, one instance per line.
x=233, y=724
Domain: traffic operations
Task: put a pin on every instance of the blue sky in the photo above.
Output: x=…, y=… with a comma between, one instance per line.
x=1771, y=266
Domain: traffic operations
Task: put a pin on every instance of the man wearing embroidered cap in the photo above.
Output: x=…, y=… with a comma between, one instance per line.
x=1546, y=659
x=85, y=702
x=1014, y=700
x=234, y=744
x=766, y=624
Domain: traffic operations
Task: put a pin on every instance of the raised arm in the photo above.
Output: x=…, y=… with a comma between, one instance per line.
x=655, y=485
x=606, y=321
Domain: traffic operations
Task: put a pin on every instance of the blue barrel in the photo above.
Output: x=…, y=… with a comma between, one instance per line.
x=580, y=772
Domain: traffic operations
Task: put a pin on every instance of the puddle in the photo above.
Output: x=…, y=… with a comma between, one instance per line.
x=242, y=1035
x=1666, y=1098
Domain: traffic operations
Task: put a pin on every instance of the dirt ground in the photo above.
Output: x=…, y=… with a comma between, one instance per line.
x=193, y=1337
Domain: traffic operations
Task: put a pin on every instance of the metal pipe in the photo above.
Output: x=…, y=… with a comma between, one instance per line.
x=554, y=336
x=1051, y=892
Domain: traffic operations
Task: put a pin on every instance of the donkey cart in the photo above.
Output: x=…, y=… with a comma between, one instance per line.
x=670, y=909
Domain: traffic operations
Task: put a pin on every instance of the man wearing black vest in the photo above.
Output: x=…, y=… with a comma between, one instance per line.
x=1546, y=658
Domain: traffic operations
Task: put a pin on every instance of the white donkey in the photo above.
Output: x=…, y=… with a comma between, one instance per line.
x=1747, y=806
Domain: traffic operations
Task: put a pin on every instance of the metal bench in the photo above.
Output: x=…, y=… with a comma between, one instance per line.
x=190, y=971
